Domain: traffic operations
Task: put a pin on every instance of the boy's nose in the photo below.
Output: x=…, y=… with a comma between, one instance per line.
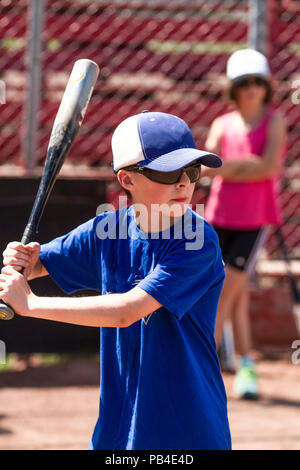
x=184, y=180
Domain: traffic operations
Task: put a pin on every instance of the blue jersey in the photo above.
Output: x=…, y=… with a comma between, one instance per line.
x=161, y=385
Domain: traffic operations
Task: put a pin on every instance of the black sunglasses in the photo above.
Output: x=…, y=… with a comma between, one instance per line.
x=168, y=177
x=246, y=82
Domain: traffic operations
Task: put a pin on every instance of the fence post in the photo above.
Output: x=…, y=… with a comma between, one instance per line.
x=258, y=25
x=33, y=80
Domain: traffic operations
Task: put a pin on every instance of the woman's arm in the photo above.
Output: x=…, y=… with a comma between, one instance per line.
x=213, y=144
x=254, y=167
x=269, y=164
x=213, y=140
x=112, y=310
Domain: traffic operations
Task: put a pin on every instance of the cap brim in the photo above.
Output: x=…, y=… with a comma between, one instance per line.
x=240, y=78
x=179, y=158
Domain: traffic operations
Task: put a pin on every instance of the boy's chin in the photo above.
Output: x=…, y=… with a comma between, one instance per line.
x=175, y=209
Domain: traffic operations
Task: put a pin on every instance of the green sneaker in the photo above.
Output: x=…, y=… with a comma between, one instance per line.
x=245, y=382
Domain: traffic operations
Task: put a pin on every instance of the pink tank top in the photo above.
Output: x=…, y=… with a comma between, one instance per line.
x=239, y=205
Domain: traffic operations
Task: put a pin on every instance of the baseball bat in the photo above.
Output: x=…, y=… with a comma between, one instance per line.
x=292, y=279
x=65, y=128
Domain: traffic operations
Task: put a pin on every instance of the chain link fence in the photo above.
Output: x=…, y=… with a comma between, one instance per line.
x=168, y=56
x=13, y=33
x=284, y=56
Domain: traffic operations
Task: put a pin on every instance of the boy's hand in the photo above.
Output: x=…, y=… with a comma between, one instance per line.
x=15, y=291
x=20, y=256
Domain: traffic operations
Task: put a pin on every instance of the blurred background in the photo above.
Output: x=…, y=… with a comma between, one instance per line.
x=167, y=56
x=161, y=56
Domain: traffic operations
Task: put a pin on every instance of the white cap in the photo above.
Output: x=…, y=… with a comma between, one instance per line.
x=247, y=62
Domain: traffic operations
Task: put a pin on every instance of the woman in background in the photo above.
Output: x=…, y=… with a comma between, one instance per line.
x=244, y=195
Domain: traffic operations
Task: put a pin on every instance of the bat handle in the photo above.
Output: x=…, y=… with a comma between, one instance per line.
x=6, y=312
x=29, y=233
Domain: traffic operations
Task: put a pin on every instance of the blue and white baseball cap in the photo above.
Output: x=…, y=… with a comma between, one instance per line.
x=159, y=141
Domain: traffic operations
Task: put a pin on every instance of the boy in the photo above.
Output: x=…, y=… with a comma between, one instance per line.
x=161, y=386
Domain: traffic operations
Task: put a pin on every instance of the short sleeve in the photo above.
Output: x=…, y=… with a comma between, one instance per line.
x=184, y=276
x=72, y=260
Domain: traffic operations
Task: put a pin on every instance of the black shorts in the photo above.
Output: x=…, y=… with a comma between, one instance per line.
x=239, y=247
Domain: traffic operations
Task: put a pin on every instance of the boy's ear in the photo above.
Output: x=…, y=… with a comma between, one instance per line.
x=125, y=180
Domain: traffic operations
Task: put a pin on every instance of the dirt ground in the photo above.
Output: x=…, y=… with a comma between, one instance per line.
x=55, y=407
